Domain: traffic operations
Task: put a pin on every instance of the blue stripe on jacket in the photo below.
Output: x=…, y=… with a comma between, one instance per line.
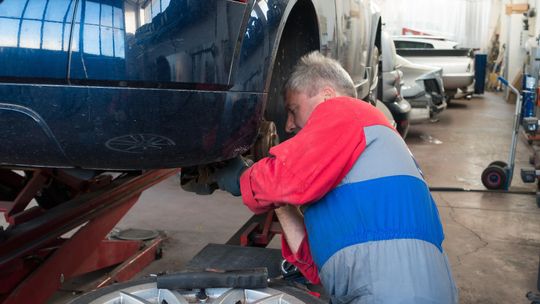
x=391, y=207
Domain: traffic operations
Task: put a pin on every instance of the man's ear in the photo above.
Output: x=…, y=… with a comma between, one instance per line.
x=329, y=92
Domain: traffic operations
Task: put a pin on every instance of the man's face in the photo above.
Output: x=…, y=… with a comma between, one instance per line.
x=300, y=106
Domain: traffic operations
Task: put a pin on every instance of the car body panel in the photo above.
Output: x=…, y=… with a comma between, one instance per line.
x=166, y=46
x=126, y=129
x=425, y=103
x=391, y=85
x=186, y=86
x=423, y=42
x=354, y=22
x=457, y=65
x=456, y=81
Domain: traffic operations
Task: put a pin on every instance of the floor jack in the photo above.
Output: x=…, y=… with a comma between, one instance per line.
x=36, y=256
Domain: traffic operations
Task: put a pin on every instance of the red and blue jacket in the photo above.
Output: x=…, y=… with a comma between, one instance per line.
x=355, y=175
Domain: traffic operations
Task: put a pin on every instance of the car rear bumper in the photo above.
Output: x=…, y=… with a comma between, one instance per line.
x=457, y=80
x=418, y=115
x=124, y=128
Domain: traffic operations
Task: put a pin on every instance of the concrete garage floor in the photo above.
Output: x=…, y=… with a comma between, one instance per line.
x=492, y=239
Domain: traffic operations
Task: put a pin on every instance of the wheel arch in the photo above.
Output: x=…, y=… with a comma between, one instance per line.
x=297, y=35
x=378, y=34
x=378, y=44
x=293, y=9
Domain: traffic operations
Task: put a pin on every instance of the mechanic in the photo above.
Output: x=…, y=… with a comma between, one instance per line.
x=369, y=227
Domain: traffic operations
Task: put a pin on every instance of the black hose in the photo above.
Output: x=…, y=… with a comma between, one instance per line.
x=245, y=278
x=457, y=189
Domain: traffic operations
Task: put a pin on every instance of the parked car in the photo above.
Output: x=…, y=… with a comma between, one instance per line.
x=123, y=85
x=423, y=88
x=423, y=42
x=457, y=63
x=392, y=80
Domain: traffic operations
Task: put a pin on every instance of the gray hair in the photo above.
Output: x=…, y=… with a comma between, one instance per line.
x=315, y=71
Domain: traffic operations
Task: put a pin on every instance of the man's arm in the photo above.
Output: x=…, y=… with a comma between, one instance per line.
x=292, y=223
x=304, y=168
x=294, y=244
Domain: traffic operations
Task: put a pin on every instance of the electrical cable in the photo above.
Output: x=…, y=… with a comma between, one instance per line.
x=457, y=189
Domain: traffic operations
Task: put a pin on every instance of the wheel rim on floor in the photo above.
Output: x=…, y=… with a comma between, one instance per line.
x=148, y=293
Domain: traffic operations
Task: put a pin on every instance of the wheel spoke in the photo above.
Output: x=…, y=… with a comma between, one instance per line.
x=127, y=298
x=273, y=299
x=232, y=296
x=170, y=297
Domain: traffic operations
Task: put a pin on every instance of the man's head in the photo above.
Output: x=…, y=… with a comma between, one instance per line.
x=314, y=79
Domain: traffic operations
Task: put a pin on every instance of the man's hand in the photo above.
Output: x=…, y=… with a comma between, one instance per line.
x=228, y=177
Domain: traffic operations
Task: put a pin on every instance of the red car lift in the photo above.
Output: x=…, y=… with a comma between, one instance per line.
x=35, y=255
x=258, y=231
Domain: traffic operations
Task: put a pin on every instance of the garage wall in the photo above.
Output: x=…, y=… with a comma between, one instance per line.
x=472, y=23
x=520, y=39
x=515, y=47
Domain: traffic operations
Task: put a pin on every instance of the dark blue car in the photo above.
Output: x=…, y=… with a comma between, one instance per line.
x=140, y=84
